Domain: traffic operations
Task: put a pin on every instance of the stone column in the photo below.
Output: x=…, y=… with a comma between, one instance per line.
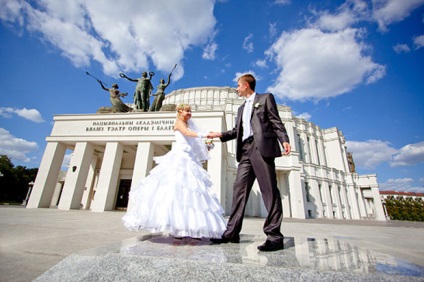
x=312, y=147
x=143, y=163
x=327, y=202
x=322, y=152
x=296, y=195
x=284, y=186
x=76, y=177
x=345, y=202
x=57, y=192
x=338, y=200
x=47, y=175
x=353, y=202
x=306, y=148
x=379, y=212
x=104, y=199
x=216, y=169
x=361, y=203
x=88, y=188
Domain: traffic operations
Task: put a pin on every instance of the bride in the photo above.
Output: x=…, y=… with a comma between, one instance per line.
x=176, y=196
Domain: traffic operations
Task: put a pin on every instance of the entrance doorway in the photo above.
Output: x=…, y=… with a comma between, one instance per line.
x=123, y=194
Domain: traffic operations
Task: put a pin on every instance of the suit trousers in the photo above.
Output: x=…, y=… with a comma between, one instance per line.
x=253, y=166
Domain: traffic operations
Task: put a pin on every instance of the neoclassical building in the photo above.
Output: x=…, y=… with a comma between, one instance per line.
x=112, y=151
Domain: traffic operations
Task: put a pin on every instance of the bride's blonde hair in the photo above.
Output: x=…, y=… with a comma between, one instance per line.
x=182, y=107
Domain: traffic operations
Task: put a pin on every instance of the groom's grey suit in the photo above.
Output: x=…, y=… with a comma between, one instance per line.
x=256, y=161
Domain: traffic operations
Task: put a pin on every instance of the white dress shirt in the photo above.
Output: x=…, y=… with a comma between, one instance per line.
x=247, y=113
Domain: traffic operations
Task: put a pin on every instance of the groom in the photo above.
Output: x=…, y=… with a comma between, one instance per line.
x=259, y=133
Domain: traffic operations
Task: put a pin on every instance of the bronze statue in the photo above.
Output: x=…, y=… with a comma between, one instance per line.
x=142, y=91
x=160, y=94
x=115, y=99
x=350, y=162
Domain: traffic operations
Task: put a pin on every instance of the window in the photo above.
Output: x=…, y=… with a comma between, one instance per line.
x=308, y=196
x=299, y=140
x=316, y=148
x=308, y=141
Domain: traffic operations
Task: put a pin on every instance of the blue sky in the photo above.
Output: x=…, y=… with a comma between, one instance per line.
x=355, y=65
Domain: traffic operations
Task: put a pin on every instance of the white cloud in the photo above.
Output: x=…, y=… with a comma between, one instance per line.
x=305, y=116
x=272, y=29
x=261, y=63
x=248, y=44
x=282, y=2
x=369, y=154
x=410, y=154
x=399, y=48
x=336, y=22
x=29, y=114
x=316, y=65
x=400, y=185
x=6, y=112
x=419, y=41
x=386, y=12
x=119, y=37
x=209, y=51
x=390, y=184
x=15, y=148
x=347, y=14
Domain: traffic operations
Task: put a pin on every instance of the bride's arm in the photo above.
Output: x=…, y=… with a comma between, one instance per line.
x=182, y=127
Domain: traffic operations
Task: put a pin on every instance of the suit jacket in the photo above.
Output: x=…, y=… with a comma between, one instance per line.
x=267, y=127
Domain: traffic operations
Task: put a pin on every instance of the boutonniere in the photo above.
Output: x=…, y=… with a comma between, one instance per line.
x=257, y=105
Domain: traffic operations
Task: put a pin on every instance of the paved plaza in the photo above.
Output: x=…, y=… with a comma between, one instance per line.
x=78, y=245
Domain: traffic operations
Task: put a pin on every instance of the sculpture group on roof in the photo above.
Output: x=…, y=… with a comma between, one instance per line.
x=143, y=92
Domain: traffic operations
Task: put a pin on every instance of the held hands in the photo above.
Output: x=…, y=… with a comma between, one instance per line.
x=209, y=139
x=286, y=145
x=212, y=135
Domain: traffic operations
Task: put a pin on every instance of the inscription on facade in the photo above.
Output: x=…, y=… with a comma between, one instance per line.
x=131, y=126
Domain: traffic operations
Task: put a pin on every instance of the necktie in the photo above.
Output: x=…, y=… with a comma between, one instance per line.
x=246, y=118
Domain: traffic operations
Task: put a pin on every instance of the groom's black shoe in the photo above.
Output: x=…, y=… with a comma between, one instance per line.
x=224, y=240
x=270, y=246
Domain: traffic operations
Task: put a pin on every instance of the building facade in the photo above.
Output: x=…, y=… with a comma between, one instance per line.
x=110, y=152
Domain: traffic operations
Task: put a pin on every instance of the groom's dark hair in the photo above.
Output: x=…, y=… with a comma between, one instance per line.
x=250, y=79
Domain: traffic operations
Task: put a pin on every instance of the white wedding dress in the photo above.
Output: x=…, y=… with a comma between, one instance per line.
x=176, y=196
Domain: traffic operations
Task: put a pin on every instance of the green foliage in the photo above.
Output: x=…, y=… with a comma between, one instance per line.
x=400, y=208
x=14, y=182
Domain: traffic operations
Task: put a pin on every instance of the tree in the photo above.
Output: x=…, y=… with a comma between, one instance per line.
x=14, y=182
x=6, y=178
x=400, y=208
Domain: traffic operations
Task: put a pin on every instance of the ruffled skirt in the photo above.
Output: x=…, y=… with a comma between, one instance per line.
x=176, y=196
